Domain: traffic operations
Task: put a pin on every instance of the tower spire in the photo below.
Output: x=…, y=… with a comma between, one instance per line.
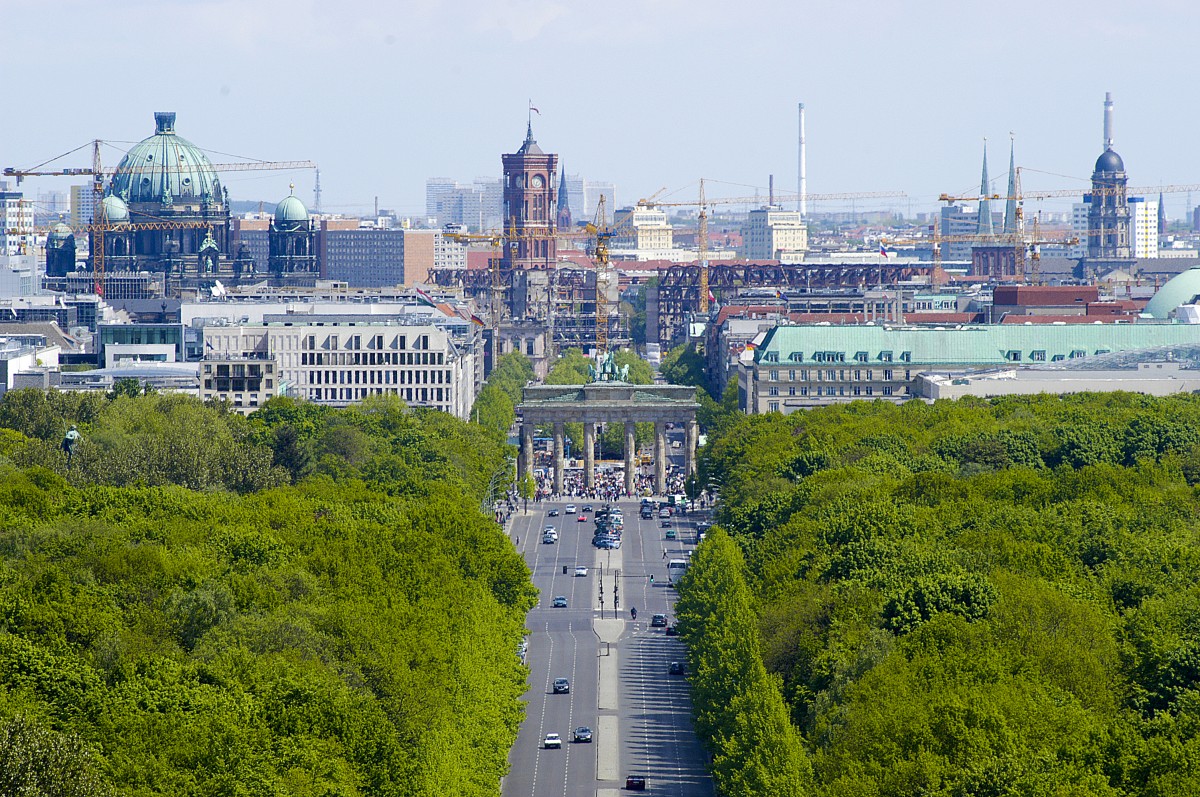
x=1010, y=204
x=984, y=226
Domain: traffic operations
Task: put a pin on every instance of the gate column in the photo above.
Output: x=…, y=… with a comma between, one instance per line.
x=526, y=450
x=660, y=458
x=630, y=458
x=558, y=457
x=589, y=456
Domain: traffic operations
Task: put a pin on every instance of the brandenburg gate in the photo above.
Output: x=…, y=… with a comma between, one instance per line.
x=609, y=402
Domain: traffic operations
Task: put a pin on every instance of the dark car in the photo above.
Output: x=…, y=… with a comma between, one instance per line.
x=553, y=513
x=635, y=783
x=673, y=629
x=586, y=508
x=562, y=686
x=658, y=621
x=675, y=668
x=582, y=734
x=559, y=602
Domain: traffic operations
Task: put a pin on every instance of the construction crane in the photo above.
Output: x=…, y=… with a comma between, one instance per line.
x=603, y=234
x=496, y=242
x=98, y=172
x=702, y=231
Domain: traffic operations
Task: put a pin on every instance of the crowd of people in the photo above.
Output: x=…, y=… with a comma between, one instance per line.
x=609, y=485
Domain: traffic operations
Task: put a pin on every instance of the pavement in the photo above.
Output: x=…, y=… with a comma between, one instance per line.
x=640, y=715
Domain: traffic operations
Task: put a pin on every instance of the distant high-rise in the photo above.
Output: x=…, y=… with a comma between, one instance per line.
x=1108, y=214
x=1143, y=227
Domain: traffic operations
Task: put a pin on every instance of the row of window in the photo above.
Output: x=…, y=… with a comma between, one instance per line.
x=1012, y=355
x=411, y=394
x=835, y=375
x=377, y=378
x=374, y=358
x=354, y=342
x=839, y=390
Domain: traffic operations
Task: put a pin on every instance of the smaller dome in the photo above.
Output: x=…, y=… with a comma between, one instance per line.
x=113, y=210
x=290, y=209
x=1183, y=288
x=1110, y=161
x=60, y=232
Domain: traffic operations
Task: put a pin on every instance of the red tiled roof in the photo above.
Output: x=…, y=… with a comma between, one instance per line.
x=1044, y=295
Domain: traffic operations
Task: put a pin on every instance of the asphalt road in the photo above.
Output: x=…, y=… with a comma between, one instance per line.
x=640, y=715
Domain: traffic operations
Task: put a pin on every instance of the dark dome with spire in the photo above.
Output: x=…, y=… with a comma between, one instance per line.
x=1110, y=161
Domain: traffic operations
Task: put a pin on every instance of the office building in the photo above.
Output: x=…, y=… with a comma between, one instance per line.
x=803, y=366
x=16, y=222
x=341, y=359
x=1143, y=227
x=772, y=233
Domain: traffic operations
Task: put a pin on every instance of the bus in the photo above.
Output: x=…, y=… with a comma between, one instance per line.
x=675, y=570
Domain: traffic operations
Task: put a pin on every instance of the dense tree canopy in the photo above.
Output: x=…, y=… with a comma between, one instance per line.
x=968, y=598
x=180, y=618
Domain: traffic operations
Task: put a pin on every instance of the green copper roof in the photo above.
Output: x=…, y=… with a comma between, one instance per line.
x=1183, y=288
x=166, y=168
x=113, y=211
x=995, y=344
x=290, y=210
x=60, y=232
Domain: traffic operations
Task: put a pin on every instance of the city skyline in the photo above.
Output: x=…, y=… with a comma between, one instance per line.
x=383, y=98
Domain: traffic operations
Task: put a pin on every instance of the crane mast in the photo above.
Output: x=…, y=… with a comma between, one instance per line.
x=702, y=251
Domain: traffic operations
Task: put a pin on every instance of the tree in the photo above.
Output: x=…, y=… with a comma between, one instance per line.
x=35, y=762
x=526, y=488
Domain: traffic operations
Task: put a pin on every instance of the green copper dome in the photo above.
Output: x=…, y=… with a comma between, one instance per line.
x=112, y=211
x=1183, y=288
x=166, y=169
x=290, y=211
x=60, y=232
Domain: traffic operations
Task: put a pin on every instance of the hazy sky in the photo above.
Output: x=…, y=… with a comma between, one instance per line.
x=900, y=95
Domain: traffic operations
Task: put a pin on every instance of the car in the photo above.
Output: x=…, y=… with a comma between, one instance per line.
x=581, y=571
x=570, y=509
x=549, y=528
x=657, y=621
x=582, y=518
x=582, y=734
x=647, y=514
x=635, y=783
x=675, y=668
x=549, y=539
x=559, y=602
x=671, y=534
x=666, y=524
x=673, y=629
x=552, y=513
x=552, y=741
x=562, y=686
x=664, y=513
x=586, y=508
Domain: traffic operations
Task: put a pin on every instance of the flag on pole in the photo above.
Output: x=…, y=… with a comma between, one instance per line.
x=477, y=321
x=535, y=110
x=882, y=251
x=711, y=298
x=424, y=297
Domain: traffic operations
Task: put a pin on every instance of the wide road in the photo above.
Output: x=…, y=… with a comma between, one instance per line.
x=639, y=714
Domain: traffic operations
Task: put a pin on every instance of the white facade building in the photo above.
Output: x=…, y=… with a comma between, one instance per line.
x=341, y=359
x=643, y=229
x=16, y=222
x=772, y=233
x=1143, y=227
x=1079, y=230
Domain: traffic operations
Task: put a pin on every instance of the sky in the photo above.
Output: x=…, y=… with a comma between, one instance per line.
x=652, y=94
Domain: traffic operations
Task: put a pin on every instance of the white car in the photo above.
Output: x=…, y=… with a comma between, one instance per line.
x=581, y=571
x=570, y=510
x=552, y=741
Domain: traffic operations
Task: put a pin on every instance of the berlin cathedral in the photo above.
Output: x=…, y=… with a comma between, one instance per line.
x=166, y=213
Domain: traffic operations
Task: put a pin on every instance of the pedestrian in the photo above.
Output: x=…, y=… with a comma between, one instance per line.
x=664, y=553
x=518, y=541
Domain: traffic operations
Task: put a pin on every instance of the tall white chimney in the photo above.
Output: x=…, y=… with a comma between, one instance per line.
x=802, y=204
x=1108, y=120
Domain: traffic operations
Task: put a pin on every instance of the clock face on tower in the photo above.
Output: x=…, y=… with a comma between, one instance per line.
x=536, y=181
